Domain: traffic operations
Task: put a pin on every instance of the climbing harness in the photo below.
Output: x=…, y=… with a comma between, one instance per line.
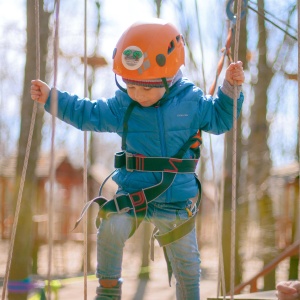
x=137, y=202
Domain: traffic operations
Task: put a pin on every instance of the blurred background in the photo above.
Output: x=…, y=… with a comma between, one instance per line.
x=268, y=211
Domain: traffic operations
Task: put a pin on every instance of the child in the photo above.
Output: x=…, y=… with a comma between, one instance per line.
x=158, y=116
x=288, y=290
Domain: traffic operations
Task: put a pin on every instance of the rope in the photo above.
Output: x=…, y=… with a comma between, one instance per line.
x=217, y=210
x=27, y=153
x=52, y=155
x=234, y=156
x=85, y=189
x=298, y=127
x=201, y=44
x=219, y=200
x=221, y=210
x=226, y=52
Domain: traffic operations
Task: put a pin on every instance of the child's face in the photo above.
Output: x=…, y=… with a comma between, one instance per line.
x=145, y=96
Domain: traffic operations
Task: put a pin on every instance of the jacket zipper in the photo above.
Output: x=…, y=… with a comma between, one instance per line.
x=162, y=142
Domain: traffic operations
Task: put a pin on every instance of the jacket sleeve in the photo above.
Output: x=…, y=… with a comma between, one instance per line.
x=100, y=115
x=216, y=114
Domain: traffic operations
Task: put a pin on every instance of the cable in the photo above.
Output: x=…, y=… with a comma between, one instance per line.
x=267, y=19
x=273, y=16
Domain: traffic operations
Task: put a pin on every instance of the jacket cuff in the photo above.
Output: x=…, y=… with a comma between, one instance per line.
x=228, y=89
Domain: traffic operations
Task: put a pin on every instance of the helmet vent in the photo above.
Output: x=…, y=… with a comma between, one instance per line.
x=179, y=38
x=171, y=47
x=114, y=53
x=161, y=60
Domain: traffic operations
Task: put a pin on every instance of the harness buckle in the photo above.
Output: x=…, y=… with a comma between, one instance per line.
x=128, y=155
x=123, y=210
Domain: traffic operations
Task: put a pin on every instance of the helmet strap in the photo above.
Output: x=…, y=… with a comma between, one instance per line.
x=164, y=80
x=119, y=86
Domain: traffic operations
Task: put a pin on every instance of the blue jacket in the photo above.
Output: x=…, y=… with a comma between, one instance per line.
x=157, y=131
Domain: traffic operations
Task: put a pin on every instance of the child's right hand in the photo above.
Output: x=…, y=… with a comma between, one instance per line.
x=39, y=91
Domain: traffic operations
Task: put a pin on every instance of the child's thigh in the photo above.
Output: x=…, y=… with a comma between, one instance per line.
x=116, y=228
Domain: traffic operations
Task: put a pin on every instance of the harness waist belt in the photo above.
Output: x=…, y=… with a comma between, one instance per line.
x=139, y=162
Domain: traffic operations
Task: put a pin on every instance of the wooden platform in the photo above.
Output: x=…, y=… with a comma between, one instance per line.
x=268, y=295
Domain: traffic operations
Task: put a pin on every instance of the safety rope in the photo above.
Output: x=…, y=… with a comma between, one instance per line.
x=85, y=177
x=217, y=199
x=298, y=235
x=27, y=153
x=234, y=153
x=52, y=153
x=221, y=271
x=201, y=45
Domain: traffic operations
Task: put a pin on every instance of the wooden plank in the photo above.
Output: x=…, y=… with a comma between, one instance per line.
x=268, y=295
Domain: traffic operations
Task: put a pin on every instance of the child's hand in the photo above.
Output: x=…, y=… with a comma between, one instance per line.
x=235, y=73
x=288, y=290
x=39, y=91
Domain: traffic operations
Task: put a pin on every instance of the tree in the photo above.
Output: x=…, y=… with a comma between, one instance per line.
x=21, y=264
x=258, y=150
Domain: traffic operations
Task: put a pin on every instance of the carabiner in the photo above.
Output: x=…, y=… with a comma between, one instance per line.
x=229, y=10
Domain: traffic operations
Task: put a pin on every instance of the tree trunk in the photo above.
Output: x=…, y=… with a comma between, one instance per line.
x=21, y=258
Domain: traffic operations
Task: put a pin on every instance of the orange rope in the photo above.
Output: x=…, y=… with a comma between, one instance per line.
x=226, y=52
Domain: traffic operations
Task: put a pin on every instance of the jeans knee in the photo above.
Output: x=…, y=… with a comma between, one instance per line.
x=116, y=229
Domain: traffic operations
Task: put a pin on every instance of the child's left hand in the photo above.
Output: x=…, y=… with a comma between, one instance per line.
x=235, y=73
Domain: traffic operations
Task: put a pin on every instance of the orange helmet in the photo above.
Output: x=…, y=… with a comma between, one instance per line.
x=149, y=50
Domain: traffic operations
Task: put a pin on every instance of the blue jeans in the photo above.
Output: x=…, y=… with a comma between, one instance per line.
x=183, y=253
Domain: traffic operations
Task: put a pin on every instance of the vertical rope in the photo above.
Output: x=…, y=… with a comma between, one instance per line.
x=221, y=275
x=85, y=189
x=221, y=211
x=201, y=45
x=52, y=155
x=234, y=155
x=27, y=153
x=298, y=235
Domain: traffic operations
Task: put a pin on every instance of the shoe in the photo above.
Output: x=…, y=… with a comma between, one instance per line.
x=113, y=293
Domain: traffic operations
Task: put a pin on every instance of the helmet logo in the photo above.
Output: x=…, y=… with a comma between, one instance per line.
x=132, y=58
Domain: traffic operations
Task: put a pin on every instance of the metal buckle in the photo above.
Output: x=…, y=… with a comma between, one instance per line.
x=120, y=211
x=127, y=156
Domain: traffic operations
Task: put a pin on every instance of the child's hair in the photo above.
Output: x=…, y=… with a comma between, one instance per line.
x=149, y=53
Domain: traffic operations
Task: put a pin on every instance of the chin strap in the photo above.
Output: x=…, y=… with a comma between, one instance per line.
x=164, y=80
x=119, y=86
